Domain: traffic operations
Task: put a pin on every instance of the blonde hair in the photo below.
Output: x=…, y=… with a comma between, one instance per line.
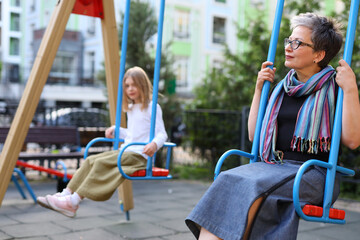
x=143, y=85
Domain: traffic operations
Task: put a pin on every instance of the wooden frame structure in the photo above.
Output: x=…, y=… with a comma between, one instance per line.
x=39, y=74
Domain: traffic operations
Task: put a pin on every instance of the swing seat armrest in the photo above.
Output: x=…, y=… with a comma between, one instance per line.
x=226, y=155
x=324, y=217
x=141, y=175
x=99, y=139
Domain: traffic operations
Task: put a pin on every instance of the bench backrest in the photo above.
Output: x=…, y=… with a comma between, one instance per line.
x=47, y=135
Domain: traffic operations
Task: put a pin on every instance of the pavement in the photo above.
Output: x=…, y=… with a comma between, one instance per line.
x=159, y=213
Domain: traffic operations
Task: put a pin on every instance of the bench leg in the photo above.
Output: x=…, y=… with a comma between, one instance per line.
x=16, y=182
x=26, y=183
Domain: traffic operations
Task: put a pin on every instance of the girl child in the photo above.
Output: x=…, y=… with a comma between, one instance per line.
x=98, y=176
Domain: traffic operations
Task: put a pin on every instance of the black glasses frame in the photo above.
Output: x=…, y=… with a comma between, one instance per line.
x=295, y=44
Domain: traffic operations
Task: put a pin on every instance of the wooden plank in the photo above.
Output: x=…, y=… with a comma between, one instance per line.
x=112, y=69
x=111, y=55
x=31, y=96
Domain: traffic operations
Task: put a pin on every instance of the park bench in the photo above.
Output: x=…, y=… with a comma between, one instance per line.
x=47, y=138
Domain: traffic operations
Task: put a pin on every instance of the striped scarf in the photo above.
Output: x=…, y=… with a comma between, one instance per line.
x=314, y=120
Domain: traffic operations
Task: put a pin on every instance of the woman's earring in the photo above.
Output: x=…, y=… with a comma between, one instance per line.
x=314, y=61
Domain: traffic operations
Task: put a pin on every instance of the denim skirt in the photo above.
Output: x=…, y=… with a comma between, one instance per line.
x=223, y=210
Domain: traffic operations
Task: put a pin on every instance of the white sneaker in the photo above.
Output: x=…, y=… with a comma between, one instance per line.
x=42, y=201
x=62, y=205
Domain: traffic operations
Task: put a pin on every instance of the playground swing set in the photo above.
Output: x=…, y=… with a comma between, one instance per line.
x=105, y=11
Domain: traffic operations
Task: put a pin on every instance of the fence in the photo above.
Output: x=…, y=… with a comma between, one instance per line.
x=215, y=131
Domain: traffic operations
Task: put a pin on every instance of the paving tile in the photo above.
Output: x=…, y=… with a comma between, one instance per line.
x=76, y=224
x=4, y=236
x=180, y=236
x=5, y=220
x=95, y=234
x=33, y=230
x=137, y=230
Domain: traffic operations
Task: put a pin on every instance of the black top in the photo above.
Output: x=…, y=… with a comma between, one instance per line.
x=286, y=126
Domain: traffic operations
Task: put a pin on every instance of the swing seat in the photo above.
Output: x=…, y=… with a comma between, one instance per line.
x=316, y=211
x=156, y=172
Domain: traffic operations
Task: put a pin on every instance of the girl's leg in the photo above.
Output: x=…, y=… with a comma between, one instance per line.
x=206, y=235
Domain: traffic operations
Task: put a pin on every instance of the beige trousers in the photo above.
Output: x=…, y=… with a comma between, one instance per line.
x=99, y=176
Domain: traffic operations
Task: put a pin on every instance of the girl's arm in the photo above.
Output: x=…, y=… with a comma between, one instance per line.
x=160, y=134
x=345, y=78
x=264, y=74
x=110, y=132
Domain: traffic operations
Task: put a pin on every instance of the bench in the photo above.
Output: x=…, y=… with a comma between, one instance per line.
x=46, y=138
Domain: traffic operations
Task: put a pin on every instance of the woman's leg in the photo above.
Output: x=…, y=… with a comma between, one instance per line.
x=251, y=216
x=206, y=235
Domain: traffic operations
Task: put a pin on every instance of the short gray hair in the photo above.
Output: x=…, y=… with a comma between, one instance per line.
x=325, y=34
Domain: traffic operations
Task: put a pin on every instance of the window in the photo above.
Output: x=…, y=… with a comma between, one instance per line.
x=91, y=26
x=14, y=47
x=219, y=35
x=15, y=22
x=88, y=77
x=62, y=64
x=15, y=3
x=33, y=6
x=14, y=75
x=181, y=24
x=62, y=69
x=181, y=71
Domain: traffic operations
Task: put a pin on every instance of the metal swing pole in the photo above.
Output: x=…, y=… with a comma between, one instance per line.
x=266, y=86
x=121, y=75
x=336, y=136
x=156, y=82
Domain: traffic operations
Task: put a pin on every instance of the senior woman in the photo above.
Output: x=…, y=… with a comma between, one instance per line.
x=255, y=200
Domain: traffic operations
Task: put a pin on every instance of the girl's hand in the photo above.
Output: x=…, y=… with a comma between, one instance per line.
x=345, y=77
x=110, y=132
x=150, y=149
x=265, y=74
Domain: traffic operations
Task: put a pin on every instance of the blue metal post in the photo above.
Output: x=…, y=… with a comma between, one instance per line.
x=266, y=87
x=336, y=136
x=121, y=75
x=156, y=80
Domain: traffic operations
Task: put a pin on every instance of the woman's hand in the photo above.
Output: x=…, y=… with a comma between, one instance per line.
x=150, y=149
x=265, y=74
x=110, y=132
x=345, y=77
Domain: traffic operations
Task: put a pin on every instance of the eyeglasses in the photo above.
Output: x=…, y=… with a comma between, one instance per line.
x=295, y=44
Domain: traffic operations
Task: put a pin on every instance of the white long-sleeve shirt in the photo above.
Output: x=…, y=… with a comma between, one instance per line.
x=138, y=128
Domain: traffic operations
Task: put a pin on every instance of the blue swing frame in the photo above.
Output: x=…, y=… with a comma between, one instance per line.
x=331, y=165
x=117, y=140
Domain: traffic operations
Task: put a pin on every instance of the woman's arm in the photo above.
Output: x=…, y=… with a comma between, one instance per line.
x=264, y=74
x=345, y=78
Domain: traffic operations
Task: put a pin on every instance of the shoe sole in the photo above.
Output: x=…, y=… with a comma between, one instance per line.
x=62, y=211
x=45, y=205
